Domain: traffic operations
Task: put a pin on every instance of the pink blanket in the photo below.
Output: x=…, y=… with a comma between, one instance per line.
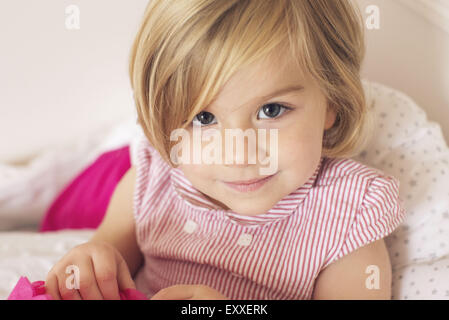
x=24, y=290
x=84, y=201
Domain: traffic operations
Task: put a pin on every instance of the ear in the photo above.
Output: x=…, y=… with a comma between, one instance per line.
x=331, y=115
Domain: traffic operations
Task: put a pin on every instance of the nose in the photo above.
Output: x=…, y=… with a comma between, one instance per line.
x=239, y=147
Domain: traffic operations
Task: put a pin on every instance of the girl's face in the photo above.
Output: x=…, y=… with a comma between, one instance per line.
x=300, y=116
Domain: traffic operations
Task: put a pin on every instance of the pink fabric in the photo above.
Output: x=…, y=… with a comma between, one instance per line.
x=24, y=290
x=84, y=201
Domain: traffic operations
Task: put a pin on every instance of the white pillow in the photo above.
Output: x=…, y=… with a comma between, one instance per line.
x=420, y=281
x=411, y=148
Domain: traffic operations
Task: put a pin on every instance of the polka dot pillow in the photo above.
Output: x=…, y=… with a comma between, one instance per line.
x=411, y=148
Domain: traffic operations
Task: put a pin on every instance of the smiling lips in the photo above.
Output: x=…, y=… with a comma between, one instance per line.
x=249, y=185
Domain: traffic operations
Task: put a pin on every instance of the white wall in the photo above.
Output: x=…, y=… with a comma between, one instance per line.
x=58, y=84
x=410, y=52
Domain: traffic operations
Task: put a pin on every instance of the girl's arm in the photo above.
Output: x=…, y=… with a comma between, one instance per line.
x=118, y=226
x=363, y=274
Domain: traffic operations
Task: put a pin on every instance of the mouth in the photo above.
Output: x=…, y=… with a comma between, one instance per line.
x=249, y=185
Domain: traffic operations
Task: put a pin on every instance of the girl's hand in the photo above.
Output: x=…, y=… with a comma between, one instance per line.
x=189, y=292
x=102, y=273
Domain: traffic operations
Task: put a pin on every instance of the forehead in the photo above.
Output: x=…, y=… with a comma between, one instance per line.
x=258, y=79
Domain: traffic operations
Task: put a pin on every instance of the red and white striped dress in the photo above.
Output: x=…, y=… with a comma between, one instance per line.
x=186, y=239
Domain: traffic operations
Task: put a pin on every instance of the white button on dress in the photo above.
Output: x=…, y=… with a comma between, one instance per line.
x=236, y=275
x=245, y=239
x=190, y=226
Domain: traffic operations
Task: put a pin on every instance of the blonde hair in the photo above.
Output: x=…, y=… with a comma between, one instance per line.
x=186, y=50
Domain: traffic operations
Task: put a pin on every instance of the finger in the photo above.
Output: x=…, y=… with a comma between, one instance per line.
x=51, y=287
x=106, y=274
x=88, y=287
x=176, y=292
x=66, y=293
x=124, y=277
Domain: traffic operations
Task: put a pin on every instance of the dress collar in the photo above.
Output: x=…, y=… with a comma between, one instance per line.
x=284, y=208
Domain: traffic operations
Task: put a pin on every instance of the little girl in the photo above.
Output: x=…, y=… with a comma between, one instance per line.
x=311, y=229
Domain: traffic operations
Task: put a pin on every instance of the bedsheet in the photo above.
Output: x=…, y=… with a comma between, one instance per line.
x=32, y=254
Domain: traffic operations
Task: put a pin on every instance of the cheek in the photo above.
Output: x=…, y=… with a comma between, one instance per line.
x=300, y=137
x=299, y=146
x=196, y=172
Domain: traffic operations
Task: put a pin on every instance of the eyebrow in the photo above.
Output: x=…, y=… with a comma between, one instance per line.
x=280, y=92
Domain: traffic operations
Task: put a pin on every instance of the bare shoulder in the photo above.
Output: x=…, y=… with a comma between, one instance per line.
x=118, y=225
x=362, y=274
x=121, y=202
x=127, y=182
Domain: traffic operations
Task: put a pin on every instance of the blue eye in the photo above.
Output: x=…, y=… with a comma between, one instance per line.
x=203, y=118
x=271, y=110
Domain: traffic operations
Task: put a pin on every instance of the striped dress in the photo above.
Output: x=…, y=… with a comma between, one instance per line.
x=186, y=239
